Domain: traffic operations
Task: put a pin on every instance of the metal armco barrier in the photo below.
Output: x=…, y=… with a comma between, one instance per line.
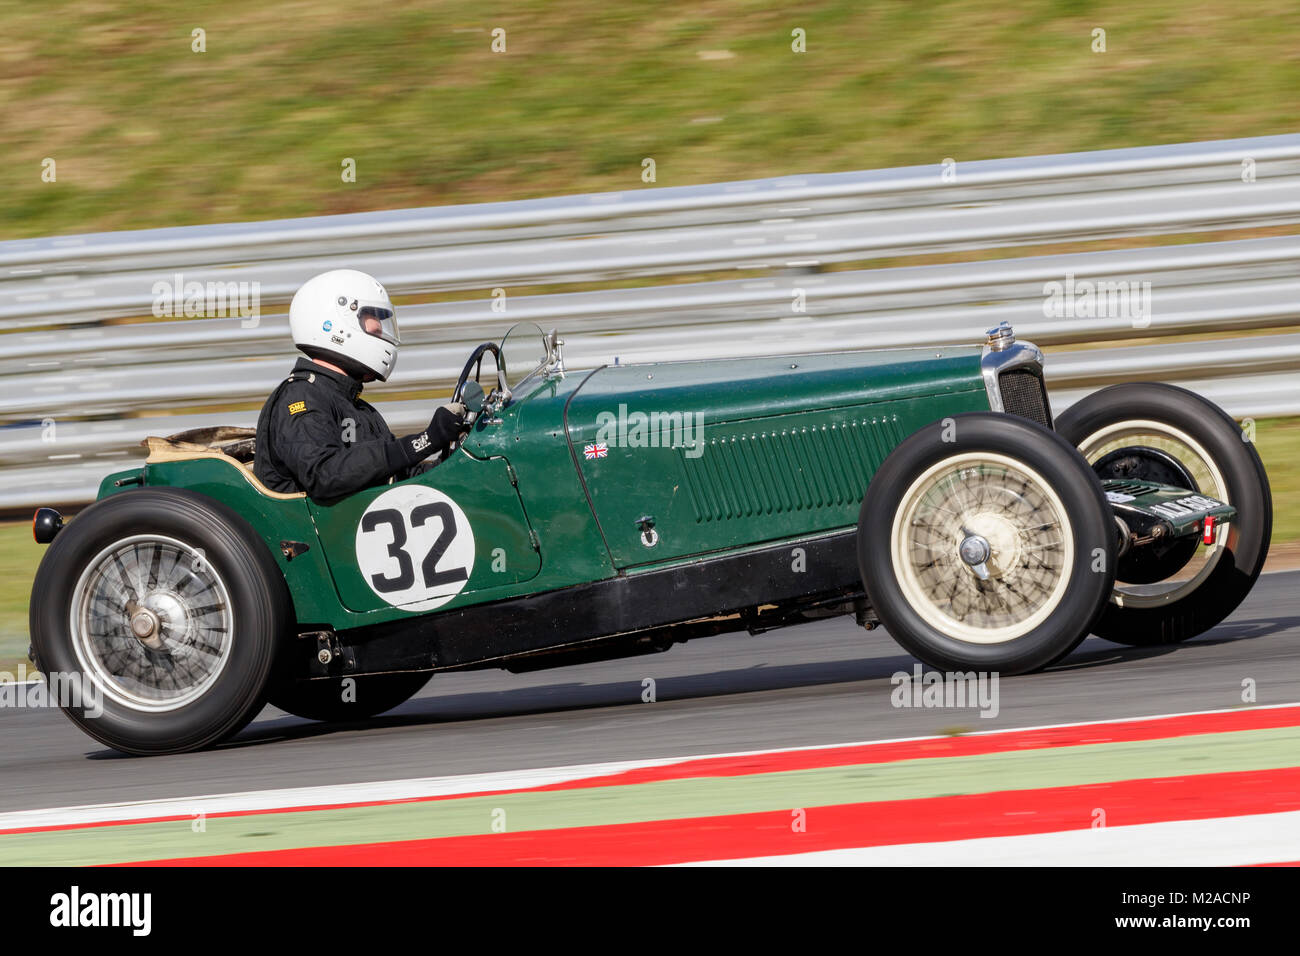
x=68, y=380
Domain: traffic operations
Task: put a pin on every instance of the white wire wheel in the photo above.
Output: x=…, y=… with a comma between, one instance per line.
x=980, y=497
x=985, y=543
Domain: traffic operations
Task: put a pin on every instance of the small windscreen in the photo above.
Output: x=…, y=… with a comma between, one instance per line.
x=523, y=351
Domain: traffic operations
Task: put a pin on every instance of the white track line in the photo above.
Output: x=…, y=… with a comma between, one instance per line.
x=1221, y=841
x=461, y=785
x=328, y=795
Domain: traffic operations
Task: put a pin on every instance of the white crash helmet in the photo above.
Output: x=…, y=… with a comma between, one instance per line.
x=326, y=321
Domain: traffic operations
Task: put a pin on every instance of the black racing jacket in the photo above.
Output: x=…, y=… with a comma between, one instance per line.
x=316, y=434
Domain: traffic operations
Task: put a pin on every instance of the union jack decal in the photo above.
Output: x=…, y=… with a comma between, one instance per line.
x=595, y=450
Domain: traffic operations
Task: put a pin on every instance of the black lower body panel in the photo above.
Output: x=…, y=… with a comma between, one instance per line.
x=688, y=597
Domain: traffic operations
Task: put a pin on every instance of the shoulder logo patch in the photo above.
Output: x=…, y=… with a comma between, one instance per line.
x=296, y=407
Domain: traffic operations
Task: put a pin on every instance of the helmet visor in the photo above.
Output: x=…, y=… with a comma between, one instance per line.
x=379, y=321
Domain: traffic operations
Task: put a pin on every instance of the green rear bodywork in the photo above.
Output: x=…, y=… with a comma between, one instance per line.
x=1181, y=511
x=786, y=448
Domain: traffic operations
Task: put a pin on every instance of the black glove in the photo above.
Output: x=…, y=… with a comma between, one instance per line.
x=444, y=429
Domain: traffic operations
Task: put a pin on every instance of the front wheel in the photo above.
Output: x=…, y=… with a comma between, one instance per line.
x=985, y=543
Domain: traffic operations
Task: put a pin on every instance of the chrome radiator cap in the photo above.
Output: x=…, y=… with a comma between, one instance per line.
x=1001, y=337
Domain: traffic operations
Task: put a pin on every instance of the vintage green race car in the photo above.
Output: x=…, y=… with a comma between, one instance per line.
x=605, y=513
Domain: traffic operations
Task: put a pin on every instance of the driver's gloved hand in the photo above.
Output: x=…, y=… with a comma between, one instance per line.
x=442, y=431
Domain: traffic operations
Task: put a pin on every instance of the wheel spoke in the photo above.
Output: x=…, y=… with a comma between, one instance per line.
x=149, y=626
x=985, y=540
x=154, y=561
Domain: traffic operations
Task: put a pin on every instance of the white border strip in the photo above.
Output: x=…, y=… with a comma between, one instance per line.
x=1219, y=841
x=462, y=785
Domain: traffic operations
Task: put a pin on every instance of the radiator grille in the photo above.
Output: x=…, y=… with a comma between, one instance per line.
x=1024, y=394
x=743, y=474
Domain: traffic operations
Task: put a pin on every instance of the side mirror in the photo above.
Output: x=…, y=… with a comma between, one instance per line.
x=472, y=396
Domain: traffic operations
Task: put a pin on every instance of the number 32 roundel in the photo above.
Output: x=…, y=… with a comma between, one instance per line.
x=415, y=548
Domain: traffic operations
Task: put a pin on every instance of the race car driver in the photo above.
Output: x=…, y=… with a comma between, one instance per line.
x=315, y=433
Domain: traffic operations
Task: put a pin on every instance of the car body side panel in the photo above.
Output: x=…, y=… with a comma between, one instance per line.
x=273, y=519
x=530, y=432
x=502, y=553
x=825, y=420
x=316, y=598
x=764, y=449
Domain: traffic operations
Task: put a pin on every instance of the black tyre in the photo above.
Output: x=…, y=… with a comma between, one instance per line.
x=168, y=608
x=985, y=543
x=328, y=698
x=1196, y=588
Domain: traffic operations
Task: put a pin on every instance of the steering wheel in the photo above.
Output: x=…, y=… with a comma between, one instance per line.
x=476, y=402
x=476, y=363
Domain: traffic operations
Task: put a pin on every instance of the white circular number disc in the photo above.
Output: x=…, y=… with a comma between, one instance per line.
x=415, y=548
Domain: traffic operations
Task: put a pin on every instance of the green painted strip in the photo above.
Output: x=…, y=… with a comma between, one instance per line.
x=670, y=799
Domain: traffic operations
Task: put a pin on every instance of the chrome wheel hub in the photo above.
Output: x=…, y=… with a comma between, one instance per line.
x=145, y=626
x=975, y=551
x=151, y=623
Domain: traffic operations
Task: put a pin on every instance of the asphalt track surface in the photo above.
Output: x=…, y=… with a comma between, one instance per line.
x=821, y=683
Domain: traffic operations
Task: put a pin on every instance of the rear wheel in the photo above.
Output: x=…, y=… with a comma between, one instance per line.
x=334, y=700
x=166, y=608
x=986, y=544
x=1168, y=434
